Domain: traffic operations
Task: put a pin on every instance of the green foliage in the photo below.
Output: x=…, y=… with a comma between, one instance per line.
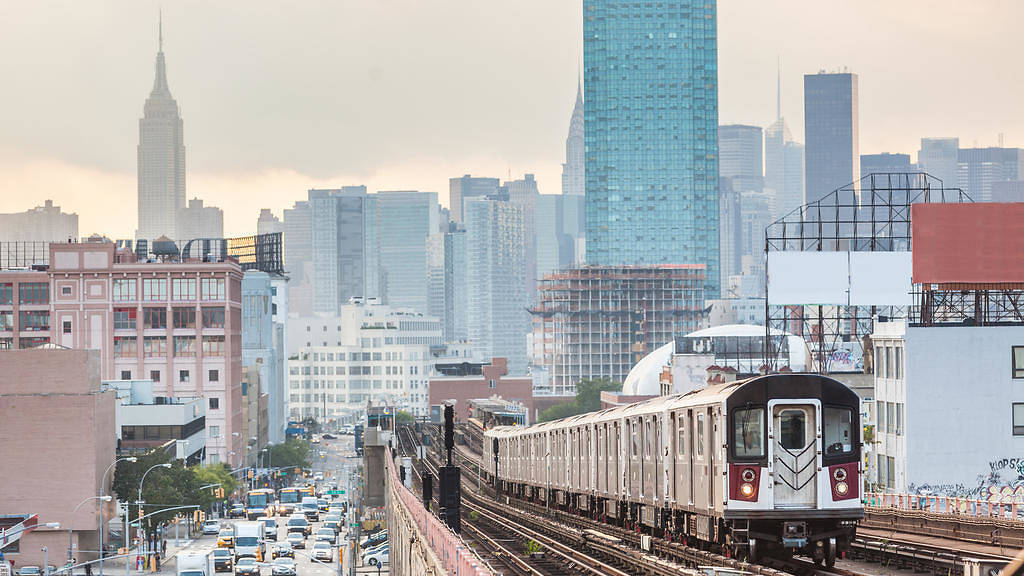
x=533, y=547
x=403, y=418
x=294, y=453
x=214, y=474
x=311, y=425
x=588, y=399
x=164, y=488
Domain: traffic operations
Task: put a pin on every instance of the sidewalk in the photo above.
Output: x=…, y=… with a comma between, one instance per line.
x=115, y=566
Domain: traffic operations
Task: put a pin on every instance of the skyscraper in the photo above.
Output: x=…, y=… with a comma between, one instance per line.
x=298, y=256
x=497, y=318
x=939, y=158
x=44, y=223
x=740, y=176
x=344, y=241
x=651, y=133
x=161, y=159
x=740, y=156
x=267, y=223
x=884, y=163
x=468, y=187
x=979, y=168
x=405, y=219
x=832, y=153
x=524, y=192
x=198, y=221
x=573, y=182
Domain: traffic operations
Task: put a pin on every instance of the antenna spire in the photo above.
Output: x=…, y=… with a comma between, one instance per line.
x=161, y=29
x=778, y=88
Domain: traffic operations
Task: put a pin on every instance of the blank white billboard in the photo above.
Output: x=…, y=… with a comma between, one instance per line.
x=880, y=278
x=808, y=277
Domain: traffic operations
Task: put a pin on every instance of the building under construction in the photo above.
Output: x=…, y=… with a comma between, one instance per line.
x=598, y=321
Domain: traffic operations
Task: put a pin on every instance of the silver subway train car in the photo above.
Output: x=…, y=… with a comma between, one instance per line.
x=763, y=466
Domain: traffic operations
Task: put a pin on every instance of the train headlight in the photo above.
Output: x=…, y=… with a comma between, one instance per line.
x=748, y=475
x=839, y=474
x=747, y=489
x=842, y=488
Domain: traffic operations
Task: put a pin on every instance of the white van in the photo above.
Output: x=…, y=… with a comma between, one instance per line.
x=310, y=508
x=249, y=540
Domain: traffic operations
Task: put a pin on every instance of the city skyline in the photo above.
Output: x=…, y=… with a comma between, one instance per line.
x=42, y=159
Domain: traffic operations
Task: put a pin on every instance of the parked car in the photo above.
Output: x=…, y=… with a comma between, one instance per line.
x=226, y=538
x=297, y=540
x=247, y=566
x=211, y=527
x=322, y=551
x=282, y=550
x=283, y=567
x=222, y=560
x=376, y=556
x=375, y=540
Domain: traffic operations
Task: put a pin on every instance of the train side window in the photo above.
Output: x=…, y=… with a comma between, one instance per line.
x=748, y=433
x=681, y=436
x=700, y=436
x=636, y=440
x=838, y=433
x=647, y=439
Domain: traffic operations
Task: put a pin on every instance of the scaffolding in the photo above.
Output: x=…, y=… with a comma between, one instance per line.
x=869, y=215
x=599, y=321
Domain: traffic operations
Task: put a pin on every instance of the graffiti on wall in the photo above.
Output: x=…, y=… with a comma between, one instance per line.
x=1002, y=483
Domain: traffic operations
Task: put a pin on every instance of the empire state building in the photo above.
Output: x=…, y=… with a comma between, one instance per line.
x=161, y=159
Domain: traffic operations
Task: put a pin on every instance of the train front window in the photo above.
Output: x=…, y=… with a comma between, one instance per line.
x=748, y=433
x=838, y=433
x=793, y=429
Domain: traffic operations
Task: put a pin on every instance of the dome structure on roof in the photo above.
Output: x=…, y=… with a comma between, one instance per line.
x=644, y=378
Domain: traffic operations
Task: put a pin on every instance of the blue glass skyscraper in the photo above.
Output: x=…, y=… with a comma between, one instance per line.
x=651, y=133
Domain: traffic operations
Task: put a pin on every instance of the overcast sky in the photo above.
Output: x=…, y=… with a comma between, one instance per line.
x=278, y=97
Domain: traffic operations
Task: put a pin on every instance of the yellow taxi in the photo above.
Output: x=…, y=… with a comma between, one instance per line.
x=226, y=538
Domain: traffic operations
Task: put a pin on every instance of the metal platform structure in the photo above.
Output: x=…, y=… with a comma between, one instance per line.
x=871, y=215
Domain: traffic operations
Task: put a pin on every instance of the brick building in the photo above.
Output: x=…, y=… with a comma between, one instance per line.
x=491, y=380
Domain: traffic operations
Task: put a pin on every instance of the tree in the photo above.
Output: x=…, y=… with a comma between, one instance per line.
x=214, y=474
x=293, y=453
x=403, y=418
x=164, y=488
x=588, y=399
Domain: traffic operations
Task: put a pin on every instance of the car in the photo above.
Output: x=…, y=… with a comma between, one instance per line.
x=222, y=560
x=247, y=566
x=322, y=551
x=336, y=507
x=282, y=550
x=325, y=535
x=283, y=567
x=237, y=511
x=211, y=527
x=334, y=525
x=30, y=571
x=297, y=540
x=328, y=436
x=375, y=540
x=226, y=538
x=299, y=524
x=269, y=527
x=323, y=504
x=319, y=476
x=376, y=557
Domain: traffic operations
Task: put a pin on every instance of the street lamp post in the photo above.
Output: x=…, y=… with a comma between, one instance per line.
x=139, y=501
x=71, y=525
x=103, y=485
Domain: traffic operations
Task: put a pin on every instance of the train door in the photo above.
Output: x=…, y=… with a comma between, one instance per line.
x=648, y=461
x=792, y=453
x=701, y=471
x=712, y=446
x=677, y=451
x=615, y=455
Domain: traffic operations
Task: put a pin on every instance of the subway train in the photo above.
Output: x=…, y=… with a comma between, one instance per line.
x=767, y=466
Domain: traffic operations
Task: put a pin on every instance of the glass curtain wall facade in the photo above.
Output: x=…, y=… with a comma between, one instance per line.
x=651, y=134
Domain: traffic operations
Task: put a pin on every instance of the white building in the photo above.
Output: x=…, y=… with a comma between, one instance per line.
x=44, y=223
x=369, y=352
x=199, y=221
x=948, y=409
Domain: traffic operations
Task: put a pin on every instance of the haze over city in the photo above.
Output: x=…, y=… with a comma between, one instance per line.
x=404, y=95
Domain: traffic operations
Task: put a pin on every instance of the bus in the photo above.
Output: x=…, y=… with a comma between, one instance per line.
x=258, y=503
x=288, y=499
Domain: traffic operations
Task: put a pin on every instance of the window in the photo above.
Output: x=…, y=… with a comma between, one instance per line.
x=838, y=430
x=888, y=362
x=899, y=362
x=126, y=374
x=214, y=431
x=214, y=375
x=7, y=320
x=154, y=375
x=155, y=346
x=183, y=288
x=700, y=436
x=491, y=383
x=154, y=289
x=184, y=317
x=124, y=318
x=748, y=433
x=6, y=294
x=793, y=429
x=183, y=375
x=881, y=413
x=124, y=347
x=66, y=326
x=65, y=290
x=636, y=440
x=213, y=345
x=213, y=288
x=899, y=418
x=214, y=403
x=184, y=346
x=154, y=318
x=34, y=320
x=124, y=290
x=33, y=293
x=890, y=417
x=213, y=317
x=681, y=436
x=1018, y=361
